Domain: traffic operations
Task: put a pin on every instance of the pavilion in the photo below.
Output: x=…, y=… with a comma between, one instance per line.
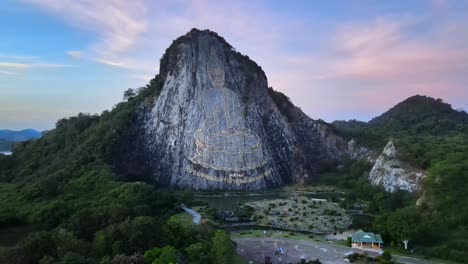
x=366, y=240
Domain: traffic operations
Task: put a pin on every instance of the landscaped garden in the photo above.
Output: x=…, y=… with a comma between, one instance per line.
x=301, y=213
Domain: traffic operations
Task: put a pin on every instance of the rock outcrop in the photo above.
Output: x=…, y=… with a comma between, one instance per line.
x=356, y=152
x=394, y=174
x=215, y=124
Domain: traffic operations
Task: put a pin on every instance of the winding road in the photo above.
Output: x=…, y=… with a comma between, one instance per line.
x=196, y=216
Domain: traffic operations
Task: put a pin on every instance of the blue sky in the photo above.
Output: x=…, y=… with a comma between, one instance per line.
x=335, y=59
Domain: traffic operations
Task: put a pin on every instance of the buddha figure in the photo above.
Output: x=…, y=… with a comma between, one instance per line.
x=223, y=142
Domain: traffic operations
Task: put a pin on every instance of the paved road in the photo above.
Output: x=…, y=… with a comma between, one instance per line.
x=196, y=216
x=256, y=248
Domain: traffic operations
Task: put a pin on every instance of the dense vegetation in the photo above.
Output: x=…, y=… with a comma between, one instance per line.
x=64, y=202
x=432, y=136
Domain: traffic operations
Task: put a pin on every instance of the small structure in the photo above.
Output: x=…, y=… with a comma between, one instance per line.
x=366, y=241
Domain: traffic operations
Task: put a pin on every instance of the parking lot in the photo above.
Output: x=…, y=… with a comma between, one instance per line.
x=257, y=248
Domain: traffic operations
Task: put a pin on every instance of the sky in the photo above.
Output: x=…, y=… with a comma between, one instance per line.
x=336, y=60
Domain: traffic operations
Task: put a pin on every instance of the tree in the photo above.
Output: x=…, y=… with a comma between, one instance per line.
x=222, y=248
x=129, y=94
x=72, y=258
x=196, y=253
x=379, y=198
x=165, y=255
x=403, y=224
x=123, y=259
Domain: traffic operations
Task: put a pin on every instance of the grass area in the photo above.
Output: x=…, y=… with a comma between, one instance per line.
x=183, y=218
x=340, y=242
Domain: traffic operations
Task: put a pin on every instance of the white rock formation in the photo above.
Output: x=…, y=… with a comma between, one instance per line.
x=393, y=174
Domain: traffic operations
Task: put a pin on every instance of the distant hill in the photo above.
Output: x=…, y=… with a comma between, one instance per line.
x=9, y=137
x=19, y=136
x=423, y=114
x=416, y=116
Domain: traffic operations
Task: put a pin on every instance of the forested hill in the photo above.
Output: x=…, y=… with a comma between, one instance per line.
x=416, y=116
x=432, y=136
x=423, y=114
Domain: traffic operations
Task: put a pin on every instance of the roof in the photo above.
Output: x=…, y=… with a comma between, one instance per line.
x=369, y=237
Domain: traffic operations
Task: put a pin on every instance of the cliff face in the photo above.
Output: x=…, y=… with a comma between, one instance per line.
x=215, y=124
x=393, y=174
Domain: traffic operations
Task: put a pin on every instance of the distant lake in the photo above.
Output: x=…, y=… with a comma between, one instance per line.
x=5, y=152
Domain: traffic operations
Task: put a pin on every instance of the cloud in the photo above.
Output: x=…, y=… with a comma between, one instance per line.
x=116, y=23
x=142, y=77
x=6, y=72
x=23, y=66
x=127, y=30
x=371, y=65
x=74, y=54
x=21, y=63
x=126, y=64
x=387, y=50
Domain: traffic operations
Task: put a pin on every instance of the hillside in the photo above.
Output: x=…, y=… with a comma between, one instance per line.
x=430, y=136
x=423, y=114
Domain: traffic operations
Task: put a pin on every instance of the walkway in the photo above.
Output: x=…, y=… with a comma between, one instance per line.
x=196, y=216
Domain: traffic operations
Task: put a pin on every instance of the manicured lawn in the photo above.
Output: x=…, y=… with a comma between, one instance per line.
x=183, y=218
x=340, y=242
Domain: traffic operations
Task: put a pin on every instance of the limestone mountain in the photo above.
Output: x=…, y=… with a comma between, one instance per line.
x=215, y=124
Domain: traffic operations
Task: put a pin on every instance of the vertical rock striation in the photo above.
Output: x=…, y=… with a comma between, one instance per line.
x=215, y=124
